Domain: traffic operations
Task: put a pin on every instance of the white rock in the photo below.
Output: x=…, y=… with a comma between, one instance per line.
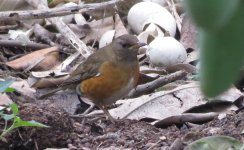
x=151, y=30
x=148, y=12
x=160, y=2
x=166, y=51
x=106, y=38
x=68, y=18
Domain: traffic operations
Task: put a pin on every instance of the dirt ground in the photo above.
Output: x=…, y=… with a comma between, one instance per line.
x=67, y=132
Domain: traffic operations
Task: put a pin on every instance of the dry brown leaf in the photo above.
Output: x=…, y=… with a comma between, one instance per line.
x=98, y=28
x=187, y=67
x=188, y=34
x=80, y=30
x=39, y=60
x=197, y=118
x=122, y=7
x=53, y=3
x=4, y=100
x=163, y=104
x=23, y=88
x=46, y=82
x=66, y=100
x=119, y=27
x=192, y=56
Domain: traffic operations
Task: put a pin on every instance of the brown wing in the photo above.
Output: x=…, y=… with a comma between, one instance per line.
x=90, y=67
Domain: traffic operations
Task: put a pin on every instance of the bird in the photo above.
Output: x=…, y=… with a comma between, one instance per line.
x=107, y=75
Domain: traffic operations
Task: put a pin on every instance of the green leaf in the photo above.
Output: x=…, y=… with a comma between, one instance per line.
x=5, y=84
x=9, y=90
x=35, y=124
x=222, y=55
x=215, y=143
x=7, y=117
x=49, y=1
x=194, y=77
x=211, y=14
x=14, y=108
x=20, y=123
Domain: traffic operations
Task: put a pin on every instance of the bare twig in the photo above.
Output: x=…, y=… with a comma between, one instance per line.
x=186, y=117
x=188, y=86
x=70, y=35
x=16, y=43
x=151, y=86
x=172, y=7
x=176, y=145
x=64, y=30
x=154, y=144
x=8, y=27
x=48, y=13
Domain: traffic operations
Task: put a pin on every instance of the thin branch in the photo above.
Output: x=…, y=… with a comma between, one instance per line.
x=64, y=30
x=16, y=43
x=171, y=5
x=8, y=27
x=151, y=86
x=48, y=13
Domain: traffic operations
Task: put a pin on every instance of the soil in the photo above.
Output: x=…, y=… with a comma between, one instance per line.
x=67, y=132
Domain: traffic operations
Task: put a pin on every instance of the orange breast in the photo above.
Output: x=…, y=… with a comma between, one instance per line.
x=111, y=81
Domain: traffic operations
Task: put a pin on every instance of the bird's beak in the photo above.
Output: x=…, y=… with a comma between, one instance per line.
x=138, y=45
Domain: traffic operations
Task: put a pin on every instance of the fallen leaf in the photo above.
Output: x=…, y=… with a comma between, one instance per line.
x=163, y=104
x=119, y=26
x=196, y=118
x=4, y=99
x=187, y=67
x=23, y=88
x=215, y=143
x=98, y=28
x=192, y=56
x=38, y=60
x=188, y=34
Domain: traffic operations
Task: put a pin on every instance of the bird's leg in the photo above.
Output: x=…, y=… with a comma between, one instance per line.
x=89, y=109
x=85, y=105
x=107, y=113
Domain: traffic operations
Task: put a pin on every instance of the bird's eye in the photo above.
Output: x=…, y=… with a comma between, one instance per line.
x=124, y=45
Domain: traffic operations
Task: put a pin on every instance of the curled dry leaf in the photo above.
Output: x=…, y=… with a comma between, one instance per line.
x=163, y=104
x=24, y=88
x=39, y=60
x=192, y=57
x=43, y=34
x=119, y=26
x=188, y=34
x=80, y=30
x=98, y=28
x=197, y=118
x=112, y=26
x=46, y=82
x=216, y=143
x=4, y=100
x=187, y=67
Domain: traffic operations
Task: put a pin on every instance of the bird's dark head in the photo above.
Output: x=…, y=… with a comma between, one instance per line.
x=127, y=45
